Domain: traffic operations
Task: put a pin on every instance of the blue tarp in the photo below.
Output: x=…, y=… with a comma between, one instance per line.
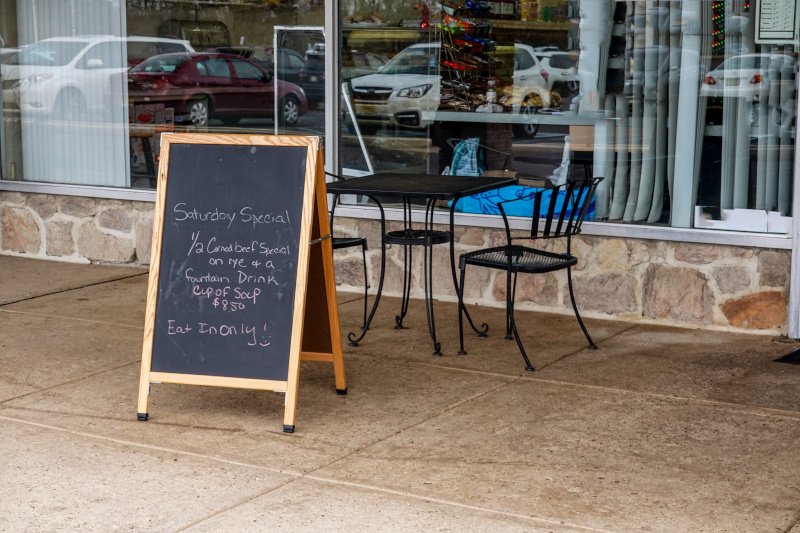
x=486, y=202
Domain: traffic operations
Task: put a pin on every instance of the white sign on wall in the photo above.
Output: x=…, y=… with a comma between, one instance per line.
x=776, y=21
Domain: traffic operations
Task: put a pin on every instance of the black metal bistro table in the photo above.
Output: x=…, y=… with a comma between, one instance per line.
x=408, y=188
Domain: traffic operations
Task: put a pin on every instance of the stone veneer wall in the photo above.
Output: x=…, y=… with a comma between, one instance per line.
x=673, y=283
x=631, y=279
x=74, y=228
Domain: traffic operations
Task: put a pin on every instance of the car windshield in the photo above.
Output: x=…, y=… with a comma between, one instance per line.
x=412, y=61
x=47, y=53
x=169, y=63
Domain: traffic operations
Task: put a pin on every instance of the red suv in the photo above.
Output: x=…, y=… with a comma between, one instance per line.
x=202, y=86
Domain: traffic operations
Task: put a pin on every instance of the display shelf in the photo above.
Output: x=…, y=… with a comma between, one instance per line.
x=553, y=119
x=530, y=25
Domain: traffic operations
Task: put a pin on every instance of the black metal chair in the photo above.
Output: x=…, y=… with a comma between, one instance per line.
x=557, y=213
x=342, y=242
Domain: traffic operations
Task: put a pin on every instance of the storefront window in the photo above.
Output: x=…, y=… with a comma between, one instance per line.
x=686, y=108
x=89, y=86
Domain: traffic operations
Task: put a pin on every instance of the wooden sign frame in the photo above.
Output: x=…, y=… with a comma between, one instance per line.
x=307, y=342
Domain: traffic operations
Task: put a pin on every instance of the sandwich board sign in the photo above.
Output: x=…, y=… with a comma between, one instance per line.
x=241, y=283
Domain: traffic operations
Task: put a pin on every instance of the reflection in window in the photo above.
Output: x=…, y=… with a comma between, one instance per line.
x=690, y=128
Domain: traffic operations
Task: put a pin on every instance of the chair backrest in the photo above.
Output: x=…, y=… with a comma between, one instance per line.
x=560, y=211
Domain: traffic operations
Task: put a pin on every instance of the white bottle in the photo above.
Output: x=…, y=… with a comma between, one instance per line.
x=491, y=95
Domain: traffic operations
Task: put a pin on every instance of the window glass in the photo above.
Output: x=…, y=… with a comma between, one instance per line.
x=689, y=130
x=87, y=93
x=247, y=71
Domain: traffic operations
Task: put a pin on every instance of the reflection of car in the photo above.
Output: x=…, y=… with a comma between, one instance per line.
x=312, y=76
x=561, y=67
x=201, y=86
x=745, y=75
x=70, y=76
x=360, y=63
x=354, y=63
x=409, y=85
x=289, y=62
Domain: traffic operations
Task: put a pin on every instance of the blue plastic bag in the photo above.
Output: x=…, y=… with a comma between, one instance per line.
x=468, y=159
x=486, y=202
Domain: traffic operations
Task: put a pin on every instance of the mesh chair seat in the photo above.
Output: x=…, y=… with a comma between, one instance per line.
x=523, y=259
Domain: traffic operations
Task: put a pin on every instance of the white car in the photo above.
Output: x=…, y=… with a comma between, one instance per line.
x=746, y=75
x=68, y=77
x=561, y=67
x=410, y=85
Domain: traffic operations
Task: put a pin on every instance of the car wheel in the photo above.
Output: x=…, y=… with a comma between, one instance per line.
x=70, y=105
x=526, y=130
x=199, y=111
x=290, y=110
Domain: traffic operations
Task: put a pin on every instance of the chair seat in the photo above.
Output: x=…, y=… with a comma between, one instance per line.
x=349, y=242
x=523, y=259
x=417, y=237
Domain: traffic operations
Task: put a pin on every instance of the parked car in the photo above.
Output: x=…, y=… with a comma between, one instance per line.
x=290, y=62
x=409, y=85
x=354, y=63
x=312, y=76
x=69, y=76
x=746, y=75
x=200, y=86
x=561, y=68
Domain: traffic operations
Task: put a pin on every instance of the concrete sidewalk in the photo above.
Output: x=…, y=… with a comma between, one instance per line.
x=660, y=429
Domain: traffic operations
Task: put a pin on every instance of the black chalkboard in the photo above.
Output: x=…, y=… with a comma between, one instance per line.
x=229, y=258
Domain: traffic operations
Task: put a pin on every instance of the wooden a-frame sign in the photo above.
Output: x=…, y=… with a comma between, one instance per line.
x=241, y=285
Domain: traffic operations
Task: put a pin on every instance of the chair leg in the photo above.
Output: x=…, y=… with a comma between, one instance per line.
x=592, y=345
x=509, y=300
x=366, y=285
x=461, y=350
x=510, y=314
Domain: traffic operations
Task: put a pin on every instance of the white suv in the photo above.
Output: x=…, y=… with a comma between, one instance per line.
x=409, y=85
x=71, y=76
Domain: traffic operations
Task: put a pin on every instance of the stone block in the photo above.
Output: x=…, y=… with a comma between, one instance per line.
x=541, y=289
x=676, y=293
x=697, y=254
x=773, y=267
x=763, y=310
x=79, y=207
x=20, y=232
x=59, y=241
x=46, y=205
x=744, y=253
x=609, y=293
x=13, y=198
x=117, y=219
x=731, y=279
x=349, y=268
x=96, y=245
x=471, y=236
x=143, y=238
